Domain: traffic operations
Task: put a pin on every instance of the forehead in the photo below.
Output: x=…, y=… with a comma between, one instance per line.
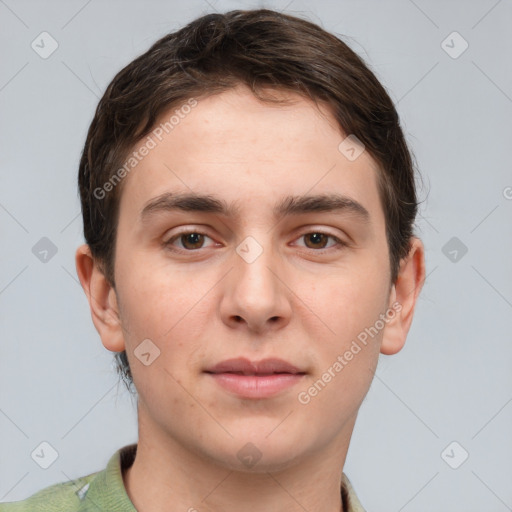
x=234, y=146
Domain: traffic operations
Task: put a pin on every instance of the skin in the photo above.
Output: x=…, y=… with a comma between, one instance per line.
x=301, y=300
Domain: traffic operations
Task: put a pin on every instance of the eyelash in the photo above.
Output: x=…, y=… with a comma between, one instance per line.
x=339, y=243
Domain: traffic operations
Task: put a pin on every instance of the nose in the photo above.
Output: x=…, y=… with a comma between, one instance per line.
x=255, y=296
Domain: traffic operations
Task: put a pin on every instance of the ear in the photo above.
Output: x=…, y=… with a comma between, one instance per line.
x=404, y=294
x=102, y=300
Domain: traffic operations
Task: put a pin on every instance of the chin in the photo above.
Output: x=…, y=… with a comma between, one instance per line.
x=261, y=453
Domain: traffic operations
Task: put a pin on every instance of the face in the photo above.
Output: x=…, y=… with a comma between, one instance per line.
x=254, y=275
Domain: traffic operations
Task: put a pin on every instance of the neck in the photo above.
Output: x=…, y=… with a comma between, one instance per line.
x=166, y=476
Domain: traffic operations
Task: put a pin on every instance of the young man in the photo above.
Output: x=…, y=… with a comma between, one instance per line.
x=248, y=200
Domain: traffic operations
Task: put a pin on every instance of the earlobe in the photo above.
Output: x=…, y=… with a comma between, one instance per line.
x=403, y=297
x=102, y=300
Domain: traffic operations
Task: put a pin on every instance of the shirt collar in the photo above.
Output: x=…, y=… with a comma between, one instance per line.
x=350, y=500
x=108, y=492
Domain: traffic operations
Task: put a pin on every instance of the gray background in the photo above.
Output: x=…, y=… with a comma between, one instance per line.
x=453, y=379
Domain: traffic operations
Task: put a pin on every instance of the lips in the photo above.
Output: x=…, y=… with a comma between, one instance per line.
x=255, y=379
x=242, y=366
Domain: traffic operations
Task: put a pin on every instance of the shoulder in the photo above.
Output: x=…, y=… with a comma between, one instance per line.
x=60, y=497
x=101, y=490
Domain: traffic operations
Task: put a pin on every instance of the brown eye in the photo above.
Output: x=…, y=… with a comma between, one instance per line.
x=318, y=240
x=194, y=239
x=189, y=241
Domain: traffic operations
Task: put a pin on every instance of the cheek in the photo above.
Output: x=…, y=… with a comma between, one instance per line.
x=155, y=296
x=166, y=307
x=345, y=305
x=347, y=354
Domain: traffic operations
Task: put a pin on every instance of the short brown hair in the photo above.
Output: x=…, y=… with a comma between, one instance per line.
x=258, y=48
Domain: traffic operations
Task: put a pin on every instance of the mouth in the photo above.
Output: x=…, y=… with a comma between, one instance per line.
x=258, y=374
x=255, y=379
x=243, y=366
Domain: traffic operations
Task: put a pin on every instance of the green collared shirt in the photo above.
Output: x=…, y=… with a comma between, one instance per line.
x=105, y=491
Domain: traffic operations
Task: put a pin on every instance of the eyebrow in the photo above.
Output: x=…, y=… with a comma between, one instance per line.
x=288, y=206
